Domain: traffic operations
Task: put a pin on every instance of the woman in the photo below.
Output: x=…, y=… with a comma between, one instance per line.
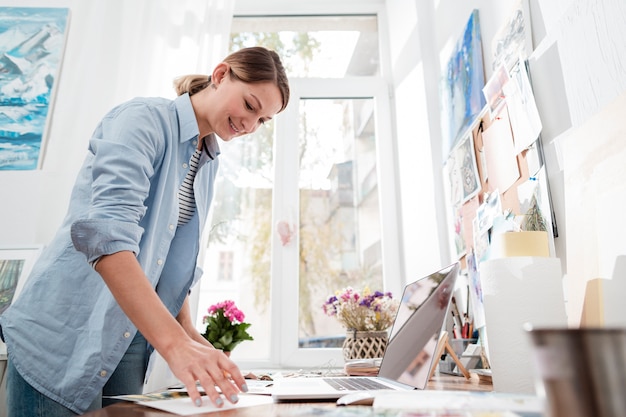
x=113, y=283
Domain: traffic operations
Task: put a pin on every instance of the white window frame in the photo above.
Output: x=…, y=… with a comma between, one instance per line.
x=285, y=259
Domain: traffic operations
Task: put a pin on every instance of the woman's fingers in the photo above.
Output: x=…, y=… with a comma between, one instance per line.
x=209, y=388
x=227, y=377
x=219, y=376
x=192, y=390
x=233, y=375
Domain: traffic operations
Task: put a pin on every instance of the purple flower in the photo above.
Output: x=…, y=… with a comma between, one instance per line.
x=361, y=311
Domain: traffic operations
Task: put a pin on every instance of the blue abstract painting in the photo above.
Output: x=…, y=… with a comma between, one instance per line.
x=31, y=49
x=463, y=80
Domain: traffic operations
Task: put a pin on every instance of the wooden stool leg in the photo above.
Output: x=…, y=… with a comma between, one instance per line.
x=441, y=346
x=455, y=358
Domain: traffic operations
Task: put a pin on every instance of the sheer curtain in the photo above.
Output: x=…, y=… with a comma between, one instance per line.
x=164, y=39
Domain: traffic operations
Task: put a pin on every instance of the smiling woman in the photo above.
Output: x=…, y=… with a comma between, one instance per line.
x=132, y=232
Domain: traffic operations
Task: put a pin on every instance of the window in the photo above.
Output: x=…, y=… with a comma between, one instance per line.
x=226, y=266
x=322, y=175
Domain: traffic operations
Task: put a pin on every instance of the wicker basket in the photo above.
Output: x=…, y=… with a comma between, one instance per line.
x=364, y=344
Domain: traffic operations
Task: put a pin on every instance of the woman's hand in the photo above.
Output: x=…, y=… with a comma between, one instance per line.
x=214, y=357
x=193, y=362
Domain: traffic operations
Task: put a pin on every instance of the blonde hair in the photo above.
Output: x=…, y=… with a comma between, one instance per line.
x=249, y=65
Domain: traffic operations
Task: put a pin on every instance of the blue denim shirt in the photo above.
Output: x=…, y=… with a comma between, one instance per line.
x=66, y=334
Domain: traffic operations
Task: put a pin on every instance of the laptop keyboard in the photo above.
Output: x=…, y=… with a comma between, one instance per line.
x=354, y=384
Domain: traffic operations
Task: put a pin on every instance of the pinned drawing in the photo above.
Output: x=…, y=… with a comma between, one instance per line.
x=514, y=38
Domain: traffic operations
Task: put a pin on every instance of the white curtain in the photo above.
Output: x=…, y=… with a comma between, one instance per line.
x=119, y=49
x=149, y=42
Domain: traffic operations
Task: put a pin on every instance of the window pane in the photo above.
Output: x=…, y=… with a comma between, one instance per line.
x=314, y=46
x=340, y=227
x=237, y=260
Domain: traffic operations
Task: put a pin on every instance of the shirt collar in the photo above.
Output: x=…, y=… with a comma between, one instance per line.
x=187, y=122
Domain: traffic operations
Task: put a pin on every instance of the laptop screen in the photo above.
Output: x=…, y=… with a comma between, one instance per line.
x=417, y=327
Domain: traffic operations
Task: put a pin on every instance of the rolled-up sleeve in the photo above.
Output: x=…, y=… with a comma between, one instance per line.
x=126, y=149
x=98, y=237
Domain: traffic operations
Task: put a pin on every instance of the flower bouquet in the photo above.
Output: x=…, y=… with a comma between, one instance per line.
x=225, y=327
x=366, y=317
x=368, y=311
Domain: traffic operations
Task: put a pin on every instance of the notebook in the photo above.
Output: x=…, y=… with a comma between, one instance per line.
x=410, y=352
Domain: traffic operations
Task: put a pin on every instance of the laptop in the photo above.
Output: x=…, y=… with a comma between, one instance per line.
x=410, y=352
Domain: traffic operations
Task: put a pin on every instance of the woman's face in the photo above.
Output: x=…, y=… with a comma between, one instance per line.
x=232, y=108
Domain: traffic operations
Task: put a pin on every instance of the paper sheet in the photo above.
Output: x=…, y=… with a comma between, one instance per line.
x=500, y=154
x=184, y=406
x=523, y=112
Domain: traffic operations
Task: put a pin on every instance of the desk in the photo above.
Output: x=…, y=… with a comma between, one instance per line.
x=126, y=409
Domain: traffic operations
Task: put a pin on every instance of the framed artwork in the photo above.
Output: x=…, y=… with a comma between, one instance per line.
x=462, y=84
x=31, y=49
x=15, y=266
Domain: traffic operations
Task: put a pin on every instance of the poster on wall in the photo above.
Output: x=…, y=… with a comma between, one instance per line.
x=461, y=85
x=31, y=50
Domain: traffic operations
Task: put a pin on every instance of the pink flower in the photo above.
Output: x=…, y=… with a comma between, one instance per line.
x=225, y=328
x=231, y=312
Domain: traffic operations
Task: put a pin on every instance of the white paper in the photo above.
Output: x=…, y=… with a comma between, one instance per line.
x=184, y=406
x=500, y=153
x=523, y=112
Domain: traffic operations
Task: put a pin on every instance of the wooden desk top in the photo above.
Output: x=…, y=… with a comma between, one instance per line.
x=128, y=409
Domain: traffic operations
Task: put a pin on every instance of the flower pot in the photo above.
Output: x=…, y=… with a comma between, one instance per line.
x=364, y=344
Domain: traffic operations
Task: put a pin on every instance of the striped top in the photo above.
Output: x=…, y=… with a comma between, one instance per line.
x=186, y=200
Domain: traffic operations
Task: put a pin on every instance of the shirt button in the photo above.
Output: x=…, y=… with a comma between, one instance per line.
x=171, y=227
x=160, y=262
x=126, y=335
x=185, y=166
x=103, y=373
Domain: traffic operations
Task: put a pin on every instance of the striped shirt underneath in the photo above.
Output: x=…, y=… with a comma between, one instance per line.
x=186, y=200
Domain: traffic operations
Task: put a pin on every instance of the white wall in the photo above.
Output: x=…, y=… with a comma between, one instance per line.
x=577, y=68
